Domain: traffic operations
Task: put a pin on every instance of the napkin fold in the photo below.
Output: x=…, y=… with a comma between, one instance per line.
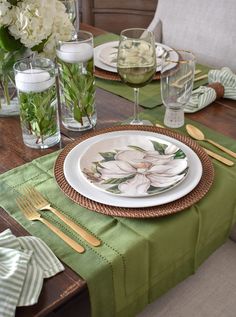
x=24, y=263
x=204, y=96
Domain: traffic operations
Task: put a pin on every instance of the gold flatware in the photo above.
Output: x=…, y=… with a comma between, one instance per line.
x=31, y=214
x=198, y=135
x=210, y=153
x=41, y=203
x=219, y=157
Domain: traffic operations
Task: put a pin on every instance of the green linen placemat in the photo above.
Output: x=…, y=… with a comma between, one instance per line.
x=150, y=95
x=139, y=260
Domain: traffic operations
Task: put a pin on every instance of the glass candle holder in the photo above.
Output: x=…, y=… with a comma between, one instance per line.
x=36, y=89
x=77, y=82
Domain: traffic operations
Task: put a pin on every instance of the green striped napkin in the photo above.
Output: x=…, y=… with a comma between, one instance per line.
x=204, y=96
x=25, y=262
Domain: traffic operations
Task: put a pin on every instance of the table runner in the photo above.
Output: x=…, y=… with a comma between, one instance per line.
x=139, y=260
x=150, y=95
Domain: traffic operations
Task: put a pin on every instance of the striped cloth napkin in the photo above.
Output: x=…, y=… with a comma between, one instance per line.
x=24, y=263
x=204, y=96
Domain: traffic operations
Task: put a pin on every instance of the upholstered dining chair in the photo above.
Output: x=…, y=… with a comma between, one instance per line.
x=206, y=27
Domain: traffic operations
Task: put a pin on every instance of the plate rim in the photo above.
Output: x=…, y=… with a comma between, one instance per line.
x=150, y=137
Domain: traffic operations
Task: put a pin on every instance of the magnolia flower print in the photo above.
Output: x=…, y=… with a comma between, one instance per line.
x=136, y=172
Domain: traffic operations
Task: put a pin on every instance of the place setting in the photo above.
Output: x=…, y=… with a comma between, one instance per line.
x=134, y=172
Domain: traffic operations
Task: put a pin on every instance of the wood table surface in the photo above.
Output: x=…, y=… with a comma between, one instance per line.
x=67, y=292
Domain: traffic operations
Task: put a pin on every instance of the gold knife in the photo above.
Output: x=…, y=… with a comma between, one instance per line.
x=219, y=157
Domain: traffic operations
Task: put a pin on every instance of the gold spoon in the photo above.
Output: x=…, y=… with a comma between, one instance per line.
x=198, y=135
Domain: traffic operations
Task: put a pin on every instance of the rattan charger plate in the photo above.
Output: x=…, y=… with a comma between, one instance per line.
x=157, y=211
x=104, y=74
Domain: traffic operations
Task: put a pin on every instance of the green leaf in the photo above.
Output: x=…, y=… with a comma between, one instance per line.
x=7, y=41
x=114, y=190
x=13, y=2
x=179, y=154
x=39, y=48
x=159, y=147
x=108, y=156
x=118, y=181
x=136, y=148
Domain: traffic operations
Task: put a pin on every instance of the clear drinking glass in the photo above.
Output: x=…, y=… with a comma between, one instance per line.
x=35, y=83
x=77, y=82
x=136, y=62
x=176, y=86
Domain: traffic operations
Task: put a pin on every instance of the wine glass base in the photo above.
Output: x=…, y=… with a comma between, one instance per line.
x=140, y=122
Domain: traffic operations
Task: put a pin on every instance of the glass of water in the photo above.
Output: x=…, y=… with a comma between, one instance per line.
x=77, y=82
x=176, y=86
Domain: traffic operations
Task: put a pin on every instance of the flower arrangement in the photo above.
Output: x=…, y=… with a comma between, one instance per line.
x=33, y=25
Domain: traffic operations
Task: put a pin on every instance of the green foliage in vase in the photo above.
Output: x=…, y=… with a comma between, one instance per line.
x=77, y=83
x=38, y=113
x=7, y=60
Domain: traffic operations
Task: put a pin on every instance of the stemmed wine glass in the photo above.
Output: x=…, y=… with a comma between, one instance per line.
x=176, y=86
x=136, y=62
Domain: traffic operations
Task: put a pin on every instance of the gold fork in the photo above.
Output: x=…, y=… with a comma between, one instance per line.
x=31, y=214
x=41, y=203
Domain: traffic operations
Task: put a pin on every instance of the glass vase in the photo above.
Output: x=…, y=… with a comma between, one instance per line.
x=8, y=93
x=35, y=82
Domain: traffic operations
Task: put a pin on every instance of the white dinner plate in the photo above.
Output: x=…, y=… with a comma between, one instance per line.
x=133, y=165
x=76, y=180
x=102, y=61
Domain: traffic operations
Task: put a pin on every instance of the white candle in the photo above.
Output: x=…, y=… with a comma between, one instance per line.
x=34, y=80
x=75, y=52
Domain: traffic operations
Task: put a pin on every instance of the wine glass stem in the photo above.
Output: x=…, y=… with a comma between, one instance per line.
x=136, y=104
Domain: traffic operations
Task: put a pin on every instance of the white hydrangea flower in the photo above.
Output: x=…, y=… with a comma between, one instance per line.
x=33, y=21
x=5, y=13
x=62, y=29
x=38, y=20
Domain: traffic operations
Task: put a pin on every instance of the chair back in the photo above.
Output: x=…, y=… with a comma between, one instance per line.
x=205, y=27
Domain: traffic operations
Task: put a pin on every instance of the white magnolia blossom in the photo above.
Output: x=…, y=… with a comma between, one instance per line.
x=35, y=21
x=5, y=13
x=148, y=168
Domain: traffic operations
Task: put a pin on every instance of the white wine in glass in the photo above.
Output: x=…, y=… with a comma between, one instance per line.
x=136, y=62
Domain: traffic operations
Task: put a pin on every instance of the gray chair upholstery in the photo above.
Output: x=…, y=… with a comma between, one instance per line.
x=206, y=27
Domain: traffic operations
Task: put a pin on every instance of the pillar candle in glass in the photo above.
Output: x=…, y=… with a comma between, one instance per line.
x=77, y=83
x=35, y=83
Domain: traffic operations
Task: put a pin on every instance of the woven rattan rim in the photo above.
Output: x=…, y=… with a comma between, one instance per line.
x=157, y=211
x=104, y=74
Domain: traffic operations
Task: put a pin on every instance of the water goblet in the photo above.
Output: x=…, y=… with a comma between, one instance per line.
x=136, y=63
x=176, y=86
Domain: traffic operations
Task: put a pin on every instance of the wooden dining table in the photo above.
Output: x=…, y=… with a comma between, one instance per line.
x=67, y=292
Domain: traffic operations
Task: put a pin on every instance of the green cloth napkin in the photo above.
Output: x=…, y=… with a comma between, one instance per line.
x=25, y=262
x=140, y=259
x=204, y=96
x=150, y=95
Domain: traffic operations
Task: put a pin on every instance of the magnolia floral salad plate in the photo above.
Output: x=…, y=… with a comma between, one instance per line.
x=134, y=166
x=79, y=182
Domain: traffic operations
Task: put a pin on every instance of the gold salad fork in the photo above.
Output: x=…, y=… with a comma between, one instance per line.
x=41, y=203
x=31, y=214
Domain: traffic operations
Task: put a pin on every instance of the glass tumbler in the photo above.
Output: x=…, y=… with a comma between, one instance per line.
x=177, y=75
x=36, y=89
x=77, y=82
